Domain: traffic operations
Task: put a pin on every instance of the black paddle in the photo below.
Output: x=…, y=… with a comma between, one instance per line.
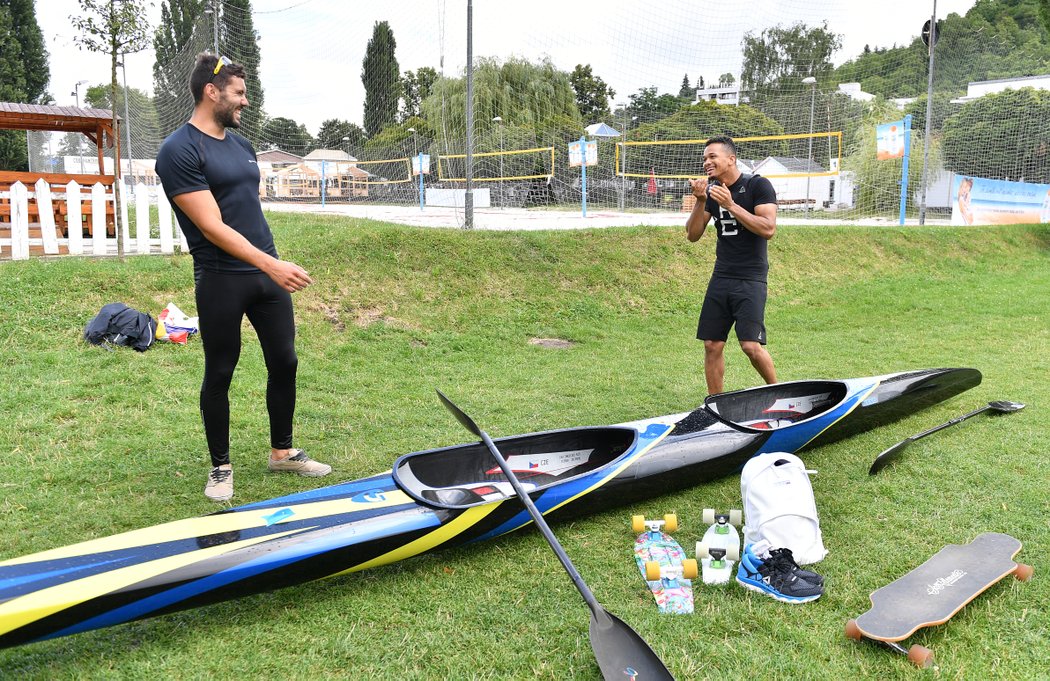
x=620, y=651
x=1000, y=406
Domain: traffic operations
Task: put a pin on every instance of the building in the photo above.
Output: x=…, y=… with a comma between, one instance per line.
x=789, y=178
x=729, y=94
x=980, y=88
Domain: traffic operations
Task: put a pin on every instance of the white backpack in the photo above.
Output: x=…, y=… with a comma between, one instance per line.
x=779, y=506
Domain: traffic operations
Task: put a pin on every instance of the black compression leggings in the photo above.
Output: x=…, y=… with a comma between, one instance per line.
x=222, y=302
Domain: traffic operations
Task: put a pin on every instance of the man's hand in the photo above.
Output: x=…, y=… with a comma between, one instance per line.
x=699, y=188
x=722, y=195
x=288, y=275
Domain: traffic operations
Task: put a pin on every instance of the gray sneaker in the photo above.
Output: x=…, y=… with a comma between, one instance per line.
x=300, y=463
x=220, y=483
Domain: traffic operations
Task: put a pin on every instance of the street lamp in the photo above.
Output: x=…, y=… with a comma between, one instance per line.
x=499, y=121
x=214, y=24
x=812, y=82
x=127, y=116
x=76, y=94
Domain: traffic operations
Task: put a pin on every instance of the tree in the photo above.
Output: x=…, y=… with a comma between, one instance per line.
x=239, y=41
x=592, y=94
x=24, y=72
x=116, y=28
x=287, y=135
x=1001, y=136
x=415, y=87
x=379, y=74
x=942, y=109
x=174, y=61
x=782, y=56
x=726, y=80
x=649, y=106
x=686, y=91
x=700, y=83
x=146, y=136
x=332, y=132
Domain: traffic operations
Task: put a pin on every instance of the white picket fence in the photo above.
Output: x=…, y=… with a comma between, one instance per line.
x=139, y=241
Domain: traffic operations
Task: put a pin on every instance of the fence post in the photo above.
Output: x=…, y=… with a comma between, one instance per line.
x=98, y=220
x=46, y=211
x=167, y=244
x=74, y=221
x=123, y=229
x=19, y=222
x=142, y=219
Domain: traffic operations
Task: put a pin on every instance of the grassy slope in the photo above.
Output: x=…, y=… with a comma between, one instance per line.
x=99, y=442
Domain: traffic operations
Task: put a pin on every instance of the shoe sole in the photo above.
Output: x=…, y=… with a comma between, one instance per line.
x=219, y=499
x=763, y=588
x=305, y=474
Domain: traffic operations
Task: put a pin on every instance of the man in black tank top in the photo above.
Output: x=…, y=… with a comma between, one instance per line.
x=211, y=175
x=745, y=211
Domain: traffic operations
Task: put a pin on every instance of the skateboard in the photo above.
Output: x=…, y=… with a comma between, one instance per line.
x=663, y=564
x=933, y=592
x=720, y=546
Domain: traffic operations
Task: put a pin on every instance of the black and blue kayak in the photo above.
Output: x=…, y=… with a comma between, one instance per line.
x=434, y=499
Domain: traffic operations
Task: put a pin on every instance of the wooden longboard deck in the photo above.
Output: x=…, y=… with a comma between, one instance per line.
x=933, y=592
x=672, y=595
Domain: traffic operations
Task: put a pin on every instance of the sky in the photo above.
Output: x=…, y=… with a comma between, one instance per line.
x=313, y=49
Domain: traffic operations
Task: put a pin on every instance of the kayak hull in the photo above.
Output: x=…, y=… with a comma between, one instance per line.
x=436, y=499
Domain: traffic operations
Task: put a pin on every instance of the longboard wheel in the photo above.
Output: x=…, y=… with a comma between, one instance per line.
x=736, y=517
x=638, y=523
x=709, y=516
x=689, y=568
x=733, y=553
x=920, y=656
x=652, y=571
x=853, y=631
x=701, y=550
x=1023, y=572
x=670, y=522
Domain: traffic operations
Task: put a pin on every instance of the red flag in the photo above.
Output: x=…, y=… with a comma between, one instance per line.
x=651, y=188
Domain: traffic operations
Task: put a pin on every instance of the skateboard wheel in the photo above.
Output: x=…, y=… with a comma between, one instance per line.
x=670, y=522
x=701, y=550
x=652, y=571
x=709, y=516
x=638, y=523
x=736, y=517
x=1023, y=572
x=733, y=553
x=852, y=630
x=920, y=656
x=689, y=568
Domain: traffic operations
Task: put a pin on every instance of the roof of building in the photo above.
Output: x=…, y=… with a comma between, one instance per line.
x=329, y=155
x=20, y=116
x=792, y=164
x=278, y=156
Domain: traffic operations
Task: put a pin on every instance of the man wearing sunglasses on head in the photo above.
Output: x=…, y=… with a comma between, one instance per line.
x=212, y=178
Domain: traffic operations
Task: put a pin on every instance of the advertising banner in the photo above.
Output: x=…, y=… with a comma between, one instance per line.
x=979, y=201
x=889, y=140
x=576, y=153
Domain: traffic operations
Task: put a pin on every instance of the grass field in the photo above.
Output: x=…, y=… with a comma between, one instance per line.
x=96, y=442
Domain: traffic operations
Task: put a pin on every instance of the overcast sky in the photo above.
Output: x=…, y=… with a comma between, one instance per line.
x=312, y=49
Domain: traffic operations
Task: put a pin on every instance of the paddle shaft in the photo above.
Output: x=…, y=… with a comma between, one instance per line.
x=537, y=517
x=955, y=420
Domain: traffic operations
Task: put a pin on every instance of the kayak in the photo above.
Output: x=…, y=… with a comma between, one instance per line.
x=438, y=498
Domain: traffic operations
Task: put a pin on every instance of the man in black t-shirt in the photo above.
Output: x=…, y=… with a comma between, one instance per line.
x=212, y=176
x=745, y=211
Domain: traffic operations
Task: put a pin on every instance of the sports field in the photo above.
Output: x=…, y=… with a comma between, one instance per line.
x=99, y=442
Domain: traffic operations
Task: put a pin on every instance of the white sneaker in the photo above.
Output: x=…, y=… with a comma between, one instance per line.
x=300, y=463
x=220, y=483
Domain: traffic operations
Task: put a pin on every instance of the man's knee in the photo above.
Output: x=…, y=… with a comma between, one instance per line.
x=714, y=347
x=752, y=349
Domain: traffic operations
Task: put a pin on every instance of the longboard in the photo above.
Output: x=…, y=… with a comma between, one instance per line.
x=933, y=592
x=663, y=564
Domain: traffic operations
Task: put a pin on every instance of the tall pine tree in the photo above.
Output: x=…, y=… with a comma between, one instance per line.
x=175, y=46
x=24, y=73
x=239, y=41
x=381, y=77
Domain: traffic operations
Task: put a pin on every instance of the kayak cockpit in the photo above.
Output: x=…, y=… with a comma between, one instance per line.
x=776, y=406
x=468, y=475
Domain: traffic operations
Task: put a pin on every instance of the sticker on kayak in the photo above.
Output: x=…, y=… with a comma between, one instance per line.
x=549, y=463
x=797, y=405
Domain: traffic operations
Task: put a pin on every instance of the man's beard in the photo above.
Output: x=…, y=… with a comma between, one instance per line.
x=227, y=117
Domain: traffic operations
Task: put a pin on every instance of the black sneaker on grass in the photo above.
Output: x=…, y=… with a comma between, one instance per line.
x=787, y=559
x=775, y=579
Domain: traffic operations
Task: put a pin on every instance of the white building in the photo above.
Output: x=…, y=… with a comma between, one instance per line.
x=729, y=94
x=831, y=191
x=980, y=88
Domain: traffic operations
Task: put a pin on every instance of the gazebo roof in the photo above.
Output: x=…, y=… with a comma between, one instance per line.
x=18, y=116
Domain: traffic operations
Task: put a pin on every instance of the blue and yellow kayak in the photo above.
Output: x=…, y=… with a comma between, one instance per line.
x=435, y=499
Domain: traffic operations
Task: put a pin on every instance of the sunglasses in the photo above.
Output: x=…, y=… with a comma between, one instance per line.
x=223, y=61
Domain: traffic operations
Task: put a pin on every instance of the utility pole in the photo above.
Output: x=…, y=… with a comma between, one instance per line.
x=468, y=199
x=930, y=43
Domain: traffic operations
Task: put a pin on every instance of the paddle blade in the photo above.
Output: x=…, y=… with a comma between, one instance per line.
x=467, y=422
x=1006, y=406
x=621, y=652
x=887, y=457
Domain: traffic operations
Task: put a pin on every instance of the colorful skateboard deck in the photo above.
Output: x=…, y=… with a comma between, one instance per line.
x=933, y=592
x=719, y=548
x=659, y=555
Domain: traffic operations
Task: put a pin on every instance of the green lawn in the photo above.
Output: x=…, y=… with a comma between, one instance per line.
x=96, y=442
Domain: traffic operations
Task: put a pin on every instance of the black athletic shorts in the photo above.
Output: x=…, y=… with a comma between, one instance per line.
x=733, y=300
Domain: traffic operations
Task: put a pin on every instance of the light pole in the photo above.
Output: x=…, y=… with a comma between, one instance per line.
x=499, y=121
x=213, y=11
x=623, y=156
x=76, y=94
x=127, y=116
x=812, y=83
